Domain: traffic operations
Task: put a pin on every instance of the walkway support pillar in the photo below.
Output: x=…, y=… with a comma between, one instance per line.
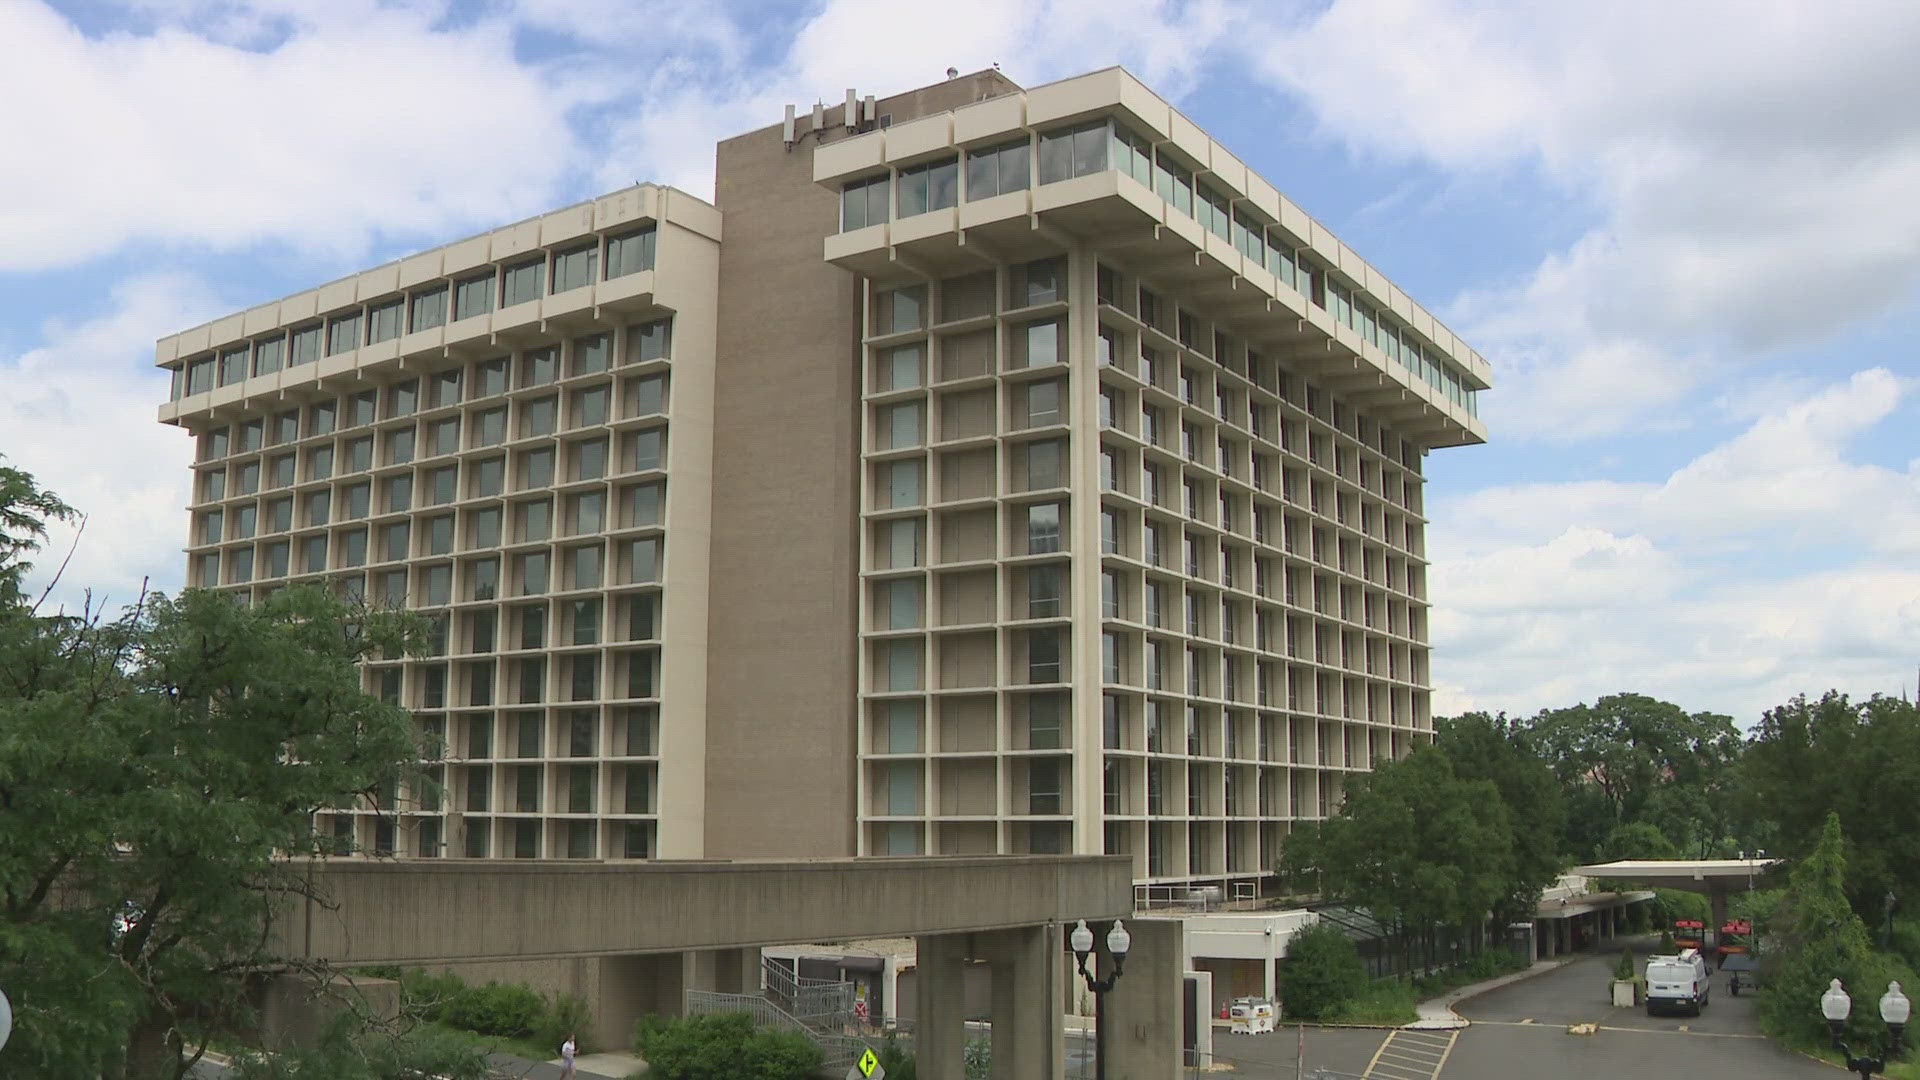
x=940, y=1001
x=1029, y=1032
x=1142, y=1011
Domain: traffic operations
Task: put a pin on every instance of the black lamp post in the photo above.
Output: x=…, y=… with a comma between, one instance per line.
x=1835, y=1005
x=1118, y=942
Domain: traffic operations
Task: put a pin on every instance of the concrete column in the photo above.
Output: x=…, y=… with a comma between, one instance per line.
x=636, y=986
x=736, y=971
x=1553, y=938
x=1029, y=1036
x=1717, y=904
x=940, y=1006
x=1142, y=1012
x=1269, y=988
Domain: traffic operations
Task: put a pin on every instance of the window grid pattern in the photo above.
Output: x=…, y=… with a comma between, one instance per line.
x=538, y=560
x=1276, y=590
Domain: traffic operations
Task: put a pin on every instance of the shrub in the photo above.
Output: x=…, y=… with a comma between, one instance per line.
x=568, y=1015
x=1323, y=972
x=494, y=1009
x=723, y=1047
x=899, y=1064
x=1624, y=970
x=1666, y=943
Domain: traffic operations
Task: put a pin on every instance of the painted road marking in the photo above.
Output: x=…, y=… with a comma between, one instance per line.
x=1411, y=1055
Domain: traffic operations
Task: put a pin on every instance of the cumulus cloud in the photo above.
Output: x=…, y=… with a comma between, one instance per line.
x=1685, y=587
x=1752, y=182
x=361, y=119
x=79, y=416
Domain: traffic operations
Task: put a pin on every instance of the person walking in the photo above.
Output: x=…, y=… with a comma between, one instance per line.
x=566, y=1058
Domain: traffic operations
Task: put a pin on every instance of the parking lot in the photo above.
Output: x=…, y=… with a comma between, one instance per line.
x=1521, y=1030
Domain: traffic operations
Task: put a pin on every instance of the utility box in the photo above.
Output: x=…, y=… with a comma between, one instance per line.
x=1251, y=1016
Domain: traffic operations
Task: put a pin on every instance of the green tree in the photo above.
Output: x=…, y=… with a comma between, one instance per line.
x=1631, y=758
x=1860, y=760
x=1414, y=845
x=157, y=771
x=1813, y=937
x=1501, y=752
x=1321, y=974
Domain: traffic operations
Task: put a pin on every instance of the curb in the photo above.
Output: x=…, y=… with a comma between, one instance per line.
x=1468, y=993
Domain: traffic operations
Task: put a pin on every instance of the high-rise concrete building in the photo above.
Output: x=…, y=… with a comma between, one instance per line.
x=985, y=470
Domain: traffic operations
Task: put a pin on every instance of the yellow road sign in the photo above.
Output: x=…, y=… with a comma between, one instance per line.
x=869, y=1061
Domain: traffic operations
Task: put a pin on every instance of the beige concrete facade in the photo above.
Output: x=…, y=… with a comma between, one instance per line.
x=514, y=435
x=1041, y=480
x=1143, y=536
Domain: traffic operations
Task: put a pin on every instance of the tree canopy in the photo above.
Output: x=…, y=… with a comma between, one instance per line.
x=1632, y=758
x=1414, y=844
x=157, y=771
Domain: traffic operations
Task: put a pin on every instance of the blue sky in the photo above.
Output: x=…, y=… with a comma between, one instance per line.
x=1685, y=235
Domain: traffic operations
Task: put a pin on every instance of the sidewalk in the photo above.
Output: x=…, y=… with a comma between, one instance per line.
x=610, y=1066
x=1436, y=1014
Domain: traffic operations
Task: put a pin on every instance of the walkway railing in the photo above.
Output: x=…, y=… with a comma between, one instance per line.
x=840, y=1051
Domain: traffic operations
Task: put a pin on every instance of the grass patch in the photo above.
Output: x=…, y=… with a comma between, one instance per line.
x=1387, y=1002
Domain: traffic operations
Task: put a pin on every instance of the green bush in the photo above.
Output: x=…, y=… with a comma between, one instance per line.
x=568, y=1015
x=506, y=1011
x=1624, y=970
x=899, y=1064
x=509, y=1011
x=1323, y=972
x=723, y=1047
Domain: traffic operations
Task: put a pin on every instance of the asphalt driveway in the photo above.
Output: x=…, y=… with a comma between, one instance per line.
x=1521, y=1030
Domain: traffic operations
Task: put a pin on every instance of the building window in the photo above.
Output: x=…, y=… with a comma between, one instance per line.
x=1133, y=155
x=521, y=282
x=383, y=321
x=900, y=664
x=1043, y=528
x=1072, y=152
x=933, y=186
x=630, y=252
x=1044, y=715
x=305, y=347
x=490, y=377
x=1042, y=340
x=269, y=355
x=429, y=309
x=233, y=366
x=650, y=341
x=343, y=333
x=592, y=354
x=1043, y=593
x=900, y=483
x=863, y=203
x=899, y=310
x=1042, y=281
x=900, y=425
x=1043, y=403
x=574, y=269
x=900, y=603
x=999, y=170
x=1043, y=788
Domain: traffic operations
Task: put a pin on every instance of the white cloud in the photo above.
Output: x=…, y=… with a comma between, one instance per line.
x=365, y=119
x=1685, y=588
x=1753, y=179
x=688, y=104
x=79, y=416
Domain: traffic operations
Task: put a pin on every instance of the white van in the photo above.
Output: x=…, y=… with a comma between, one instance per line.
x=1677, y=982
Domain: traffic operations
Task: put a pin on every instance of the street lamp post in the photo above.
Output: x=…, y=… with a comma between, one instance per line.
x=1835, y=1005
x=1118, y=942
